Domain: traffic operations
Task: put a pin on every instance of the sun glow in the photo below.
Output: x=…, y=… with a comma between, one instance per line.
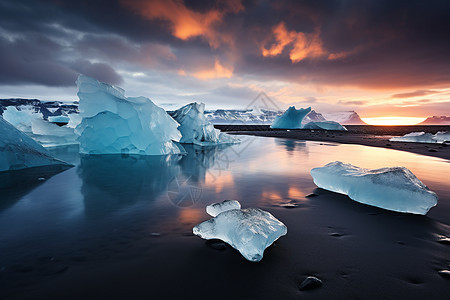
x=393, y=120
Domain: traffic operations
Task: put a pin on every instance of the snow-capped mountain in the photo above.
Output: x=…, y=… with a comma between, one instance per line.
x=436, y=120
x=47, y=108
x=345, y=117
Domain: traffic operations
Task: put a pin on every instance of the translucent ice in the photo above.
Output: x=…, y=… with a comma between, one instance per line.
x=216, y=208
x=52, y=135
x=58, y=119
x=250, y=231
x=19, y=151
x=325, y=125
x=196, y=129
x=114, y=124
x=422, y=137
x=291, y=119
x=394, y=188
x=74, y=120
x=23, y=118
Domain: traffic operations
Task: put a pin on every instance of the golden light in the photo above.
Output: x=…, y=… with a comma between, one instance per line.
x=393, y=120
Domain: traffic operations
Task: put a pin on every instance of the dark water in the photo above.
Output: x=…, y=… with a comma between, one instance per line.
x=57, y=226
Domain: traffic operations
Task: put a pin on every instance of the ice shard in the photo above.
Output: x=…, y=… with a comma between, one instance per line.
x=393, y=188
x=250, y=230
x=196, y=129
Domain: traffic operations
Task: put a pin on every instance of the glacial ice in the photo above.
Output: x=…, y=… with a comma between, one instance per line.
x=74, y=120
x=52, y=135
x=196, y=129
x=291, y=118
x=325, y=125
x=393, y=188
x=58, y=119
x=19, y=151
x=21, y=119
x=422, y=137
x=114, y=124
x=250, y=230
x=216, y=208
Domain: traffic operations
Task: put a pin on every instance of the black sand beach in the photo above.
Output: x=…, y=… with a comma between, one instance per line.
x=130, y=242
x=375, y=136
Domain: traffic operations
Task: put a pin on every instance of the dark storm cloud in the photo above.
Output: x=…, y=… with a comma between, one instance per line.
x=371, y=44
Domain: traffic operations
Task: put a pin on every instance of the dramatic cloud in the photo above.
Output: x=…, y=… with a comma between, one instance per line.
x=184, y=22
x=304, y=45
x=341, y=53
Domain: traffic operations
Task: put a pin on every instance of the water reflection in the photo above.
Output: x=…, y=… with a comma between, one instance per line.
x=291, y=145
x=16, y=184
x=114, y=182
x=186, y=188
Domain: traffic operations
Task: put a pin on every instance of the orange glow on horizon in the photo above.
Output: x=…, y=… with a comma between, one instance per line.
x=393, y=120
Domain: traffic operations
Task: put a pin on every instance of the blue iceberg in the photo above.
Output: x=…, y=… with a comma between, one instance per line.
x=114, y=124
x=19, y=151
x=291, y=119
x=324, y=125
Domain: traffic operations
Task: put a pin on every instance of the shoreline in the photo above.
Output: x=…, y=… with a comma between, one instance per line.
x=374, y=136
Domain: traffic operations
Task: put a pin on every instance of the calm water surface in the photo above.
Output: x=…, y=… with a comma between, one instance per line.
x=107, y=207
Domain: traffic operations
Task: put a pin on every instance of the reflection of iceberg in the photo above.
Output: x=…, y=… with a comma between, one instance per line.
x=291, y=119
x=422, y=137
x=291, y=145
x=115, y=124
x=112, y=182
x=199, y=159
x=196, y=129
x=16, y=184
x=19, y=151
x=393, y=188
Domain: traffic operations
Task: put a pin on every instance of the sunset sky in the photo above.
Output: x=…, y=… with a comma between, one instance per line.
x=382, y=58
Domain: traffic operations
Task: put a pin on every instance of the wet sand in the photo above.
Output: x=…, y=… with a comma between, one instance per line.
x=375, y=136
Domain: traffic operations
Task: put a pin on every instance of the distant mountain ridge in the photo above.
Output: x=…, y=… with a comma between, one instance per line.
x=256, y=116
x=47, y=108
x=436, y=120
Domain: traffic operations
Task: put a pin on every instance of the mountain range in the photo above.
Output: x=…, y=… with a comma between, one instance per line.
x=436, y=120
x=220, y=116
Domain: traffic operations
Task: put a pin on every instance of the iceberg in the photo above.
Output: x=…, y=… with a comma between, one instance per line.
x=394, y=188
x=21, y=119
x=423, y=137
x=196, y=129
x=58, y=119
x=74, y=120
x=114, y=124
x=324, y=125
x=51, y=135
x=19, y=151
x=217, y=208
x=291, y=119
x=250, y=231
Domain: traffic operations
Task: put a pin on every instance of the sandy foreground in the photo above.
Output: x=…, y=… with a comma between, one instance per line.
x=375, y=136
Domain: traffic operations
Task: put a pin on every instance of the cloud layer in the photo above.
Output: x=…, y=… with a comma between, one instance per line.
x=398, y=47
